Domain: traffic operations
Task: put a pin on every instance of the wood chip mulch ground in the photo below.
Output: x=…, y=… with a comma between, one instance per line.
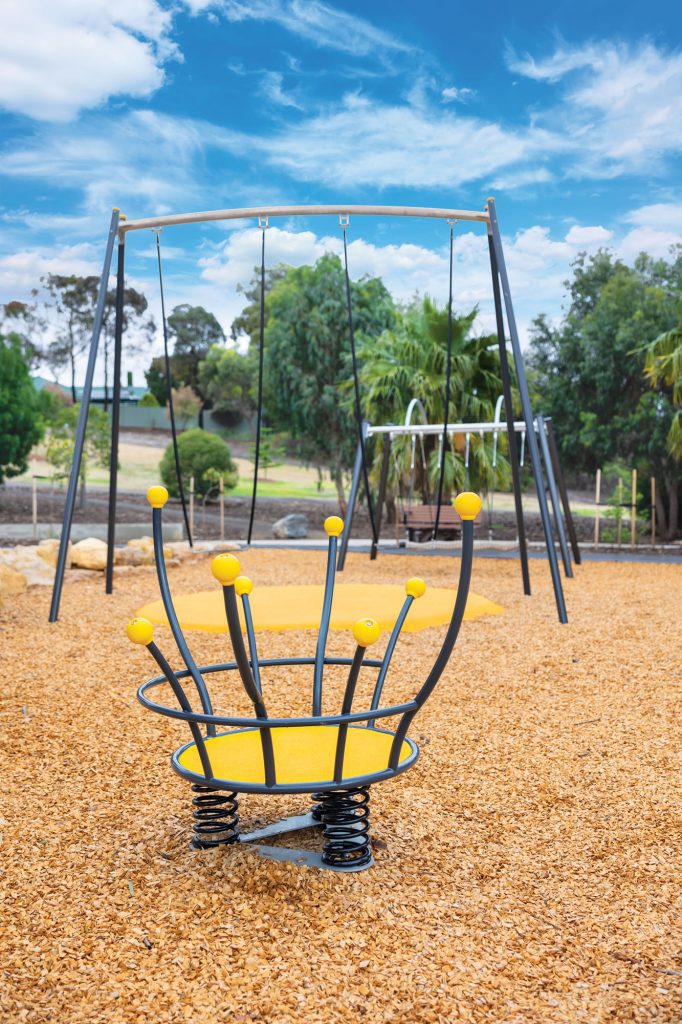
x=527, y=868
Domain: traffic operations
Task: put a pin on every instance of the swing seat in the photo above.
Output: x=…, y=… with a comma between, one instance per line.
x=420, y=519
x=304, y=759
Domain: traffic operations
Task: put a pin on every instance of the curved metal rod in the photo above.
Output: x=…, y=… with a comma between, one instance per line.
x=248, y=680
x=376, y=696
x=248, y=620
x=415, y=403
x=448, y=643
x=162, y=575
x=320, y=659
x=184, y=703
x=303, y=211
x=345, y=710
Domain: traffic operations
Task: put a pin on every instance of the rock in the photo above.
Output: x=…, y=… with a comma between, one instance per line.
x=292, y=527
x=26, y=560
x=133, y=555
x=209, y=546
x=11, y=583
x=89, y=554
x=48, y=550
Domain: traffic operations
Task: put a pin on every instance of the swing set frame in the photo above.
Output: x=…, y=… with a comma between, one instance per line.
x=120, y=228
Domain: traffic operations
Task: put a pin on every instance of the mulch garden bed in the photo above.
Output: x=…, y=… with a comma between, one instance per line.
x=527, y=868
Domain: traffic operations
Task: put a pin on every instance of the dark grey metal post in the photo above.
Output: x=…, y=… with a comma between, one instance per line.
x=115, y=416
x=532, y=440
x=563, y=493
x=79, y=440
x=509, y=416
x=554, y=495
x=350, y=508
x=381, y=498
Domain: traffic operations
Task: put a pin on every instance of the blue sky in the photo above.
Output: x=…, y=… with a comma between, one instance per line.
x=570, y=114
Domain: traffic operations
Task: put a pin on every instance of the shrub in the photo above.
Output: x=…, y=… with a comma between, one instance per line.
x=149, y=400
x=20, y=424
x=202, y=455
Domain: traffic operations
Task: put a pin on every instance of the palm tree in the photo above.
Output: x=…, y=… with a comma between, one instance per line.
x=410, y=362
x=663, y=366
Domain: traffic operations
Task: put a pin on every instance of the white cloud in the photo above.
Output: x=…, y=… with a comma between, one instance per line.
x=621, y=106
x=68, y=55
x=21, y=271
x=596, y=235
x=363, y=142
x=271, y=86
x=452, y=94
x=661, y=216
x=318, y=23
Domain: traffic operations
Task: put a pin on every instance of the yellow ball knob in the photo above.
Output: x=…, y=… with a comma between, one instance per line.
x=333, y=526
x=415, y=587
x=468, y=505
x=225, y=568
x=140, y=631
x=366, y=632
x=243, y=585
x=157, y=496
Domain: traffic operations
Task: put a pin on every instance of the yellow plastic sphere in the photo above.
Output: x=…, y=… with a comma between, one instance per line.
x=468, y=505
x=333, y=526
x=157, y=496
x=243, y=585
x=415, y=587
x=225, y=568
x=366, y=632
x=140, y=631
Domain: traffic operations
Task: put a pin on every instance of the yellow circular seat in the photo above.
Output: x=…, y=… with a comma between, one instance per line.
x=304, y=758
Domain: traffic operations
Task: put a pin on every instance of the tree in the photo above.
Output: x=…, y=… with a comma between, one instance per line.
x=270, y=453
x=73, y=299
x=307, y=358
x=138, y=330
x=186, y=406
x=20, y=424
x=193, y=331
x=410, y=361
x=60, y=442
x=155, y=377
x=203, y=456
x=247, y=324
x=227, y=380
x=23, y=320
x=663, y=368
x=590, y=370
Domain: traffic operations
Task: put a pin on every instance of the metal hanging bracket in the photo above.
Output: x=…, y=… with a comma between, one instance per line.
x=344, y=220
x=263, y=222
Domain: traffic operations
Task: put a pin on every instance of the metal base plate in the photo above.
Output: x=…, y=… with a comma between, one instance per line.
x=305, y=858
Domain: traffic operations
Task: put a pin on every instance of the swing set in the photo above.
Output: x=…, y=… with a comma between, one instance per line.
x=544, y=466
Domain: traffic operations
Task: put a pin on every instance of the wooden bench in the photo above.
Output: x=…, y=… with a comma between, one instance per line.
x=419, y=521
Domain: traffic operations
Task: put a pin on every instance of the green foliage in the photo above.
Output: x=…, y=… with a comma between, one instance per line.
x=20, y=424
x=193, y=331
x=186, y=405
x=590, y=370
x=663, y=368
x=149, y=401
x=203, y=456
x=60, y=440
x=307, y=358
x=227, y=380
x=155, y=377
x=410, y=361
x=271, y=452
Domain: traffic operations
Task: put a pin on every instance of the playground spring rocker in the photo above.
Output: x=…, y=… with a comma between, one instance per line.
x=333, y=758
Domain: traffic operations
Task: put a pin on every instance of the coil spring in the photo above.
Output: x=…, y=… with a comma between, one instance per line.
x=216, y=818
x=345, y=816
